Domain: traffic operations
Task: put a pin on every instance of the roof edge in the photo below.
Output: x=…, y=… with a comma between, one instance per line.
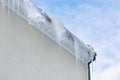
x=52, y=27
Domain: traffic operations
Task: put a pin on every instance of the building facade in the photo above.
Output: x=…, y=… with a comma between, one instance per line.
x=28, y=53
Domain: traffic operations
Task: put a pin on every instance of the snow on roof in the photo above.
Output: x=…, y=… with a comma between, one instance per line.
x=52, y=27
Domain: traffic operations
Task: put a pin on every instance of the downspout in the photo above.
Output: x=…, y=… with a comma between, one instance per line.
x=89, y=75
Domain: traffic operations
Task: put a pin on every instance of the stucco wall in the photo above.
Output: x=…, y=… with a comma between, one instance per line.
x=27, y=54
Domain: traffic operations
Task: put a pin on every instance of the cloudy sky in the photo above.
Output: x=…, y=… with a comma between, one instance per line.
x=96, y=22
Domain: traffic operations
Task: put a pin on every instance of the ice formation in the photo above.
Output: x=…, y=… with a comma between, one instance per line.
x=52, y=27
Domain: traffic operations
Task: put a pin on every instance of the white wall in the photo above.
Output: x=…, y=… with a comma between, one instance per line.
x=27, y=54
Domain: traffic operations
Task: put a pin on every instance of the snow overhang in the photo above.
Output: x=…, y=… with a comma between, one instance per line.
x=52, y=27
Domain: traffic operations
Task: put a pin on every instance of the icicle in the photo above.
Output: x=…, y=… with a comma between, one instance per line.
x=18, y=4
x=29, y=21
x=59, y=43
x=77, y=54
x=77, y=69
x=76, y=47
x=42, y=29
x=13, y=3
x=95, y=64
x=92, y=70
x=8, y=2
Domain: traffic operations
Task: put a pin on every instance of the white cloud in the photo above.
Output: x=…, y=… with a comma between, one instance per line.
x=112, y=73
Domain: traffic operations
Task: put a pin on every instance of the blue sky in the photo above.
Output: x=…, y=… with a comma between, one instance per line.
x=96, y=22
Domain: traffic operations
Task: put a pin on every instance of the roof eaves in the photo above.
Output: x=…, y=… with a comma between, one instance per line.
x=52, y=27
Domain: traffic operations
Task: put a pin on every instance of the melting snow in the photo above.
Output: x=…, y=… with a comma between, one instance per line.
x=52, y=27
